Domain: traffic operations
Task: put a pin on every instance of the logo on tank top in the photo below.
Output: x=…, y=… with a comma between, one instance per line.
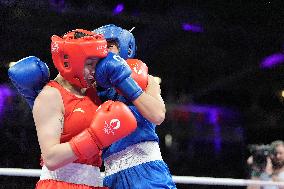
x=79, y=110
x=110, y=127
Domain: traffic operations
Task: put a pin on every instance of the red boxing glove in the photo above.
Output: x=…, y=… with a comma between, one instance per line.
x=139, y=72
x=112, y=121
x=84, y=146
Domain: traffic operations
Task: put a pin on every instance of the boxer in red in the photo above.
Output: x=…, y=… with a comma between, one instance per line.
x=72, y=125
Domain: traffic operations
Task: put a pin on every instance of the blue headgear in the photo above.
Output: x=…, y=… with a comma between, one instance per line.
x=124, y=38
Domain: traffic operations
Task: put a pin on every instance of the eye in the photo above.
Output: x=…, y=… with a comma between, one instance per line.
x=94, y=62
x=89, y=63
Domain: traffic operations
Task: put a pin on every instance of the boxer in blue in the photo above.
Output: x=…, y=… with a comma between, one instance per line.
x=134, y=162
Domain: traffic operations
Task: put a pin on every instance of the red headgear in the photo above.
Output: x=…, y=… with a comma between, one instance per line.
x=70, y=52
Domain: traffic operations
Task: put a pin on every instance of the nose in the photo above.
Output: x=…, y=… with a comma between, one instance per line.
x=93, y=71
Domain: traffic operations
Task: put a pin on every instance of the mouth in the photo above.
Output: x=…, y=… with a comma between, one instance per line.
x=94, y=84
x=91, y=77
x=91, y=81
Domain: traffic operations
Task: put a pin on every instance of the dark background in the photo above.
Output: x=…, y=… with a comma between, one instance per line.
x=218, y=97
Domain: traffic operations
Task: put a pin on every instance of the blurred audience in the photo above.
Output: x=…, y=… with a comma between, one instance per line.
x=267, y=163
x=278, y=160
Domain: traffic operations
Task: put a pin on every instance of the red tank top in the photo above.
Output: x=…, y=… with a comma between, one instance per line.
x=78, y=116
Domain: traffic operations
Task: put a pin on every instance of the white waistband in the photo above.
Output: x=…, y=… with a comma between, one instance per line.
x=74, y=173
x=133, y=155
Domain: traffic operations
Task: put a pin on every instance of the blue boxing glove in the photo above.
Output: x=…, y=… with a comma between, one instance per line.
x=29, y=75
x=113, y=71
x=111, y=94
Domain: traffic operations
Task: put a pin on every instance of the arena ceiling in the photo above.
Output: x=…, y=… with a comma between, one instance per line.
x=206, y=52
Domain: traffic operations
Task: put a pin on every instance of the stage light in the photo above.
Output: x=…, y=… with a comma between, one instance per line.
x=272, y=60
x=192, y=28
x=282, y=94
x=168, y=140
x=5, y=92
x=118, y=9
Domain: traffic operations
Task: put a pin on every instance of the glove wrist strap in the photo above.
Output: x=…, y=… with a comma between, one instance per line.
x=130, y=89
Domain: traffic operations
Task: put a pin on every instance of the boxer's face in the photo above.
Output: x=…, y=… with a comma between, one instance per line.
x=89, y=70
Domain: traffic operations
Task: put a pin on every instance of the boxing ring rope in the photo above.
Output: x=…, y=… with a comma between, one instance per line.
x=177, y=179
x=20, y=172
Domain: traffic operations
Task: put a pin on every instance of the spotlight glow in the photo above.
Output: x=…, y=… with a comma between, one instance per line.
x=118, y=9
x=4, y=93
x=282, y=94
x=192, y=28
x=272, y=60
x=168, y=140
